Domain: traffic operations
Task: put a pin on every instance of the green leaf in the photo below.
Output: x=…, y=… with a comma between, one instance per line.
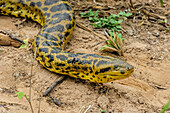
x=102, y=48
x=166, y=20
x=161, y=3
x=128, y=14
x=118, y=26
x=119, y=35
x=121, y=13
x=90, y=18
x=23, y=46
x=165, y=107
x=84, y=14
x=120, y=21
x=103, y=111
x=20, y=94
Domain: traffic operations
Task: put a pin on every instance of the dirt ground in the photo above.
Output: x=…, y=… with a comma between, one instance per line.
x=147, y=48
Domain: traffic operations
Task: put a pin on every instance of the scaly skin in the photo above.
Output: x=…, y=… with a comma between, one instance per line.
x=58, y=21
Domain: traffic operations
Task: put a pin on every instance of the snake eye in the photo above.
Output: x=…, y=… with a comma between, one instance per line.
x=116, y=67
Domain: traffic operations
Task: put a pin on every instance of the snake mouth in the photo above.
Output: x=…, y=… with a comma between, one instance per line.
x=118, y=74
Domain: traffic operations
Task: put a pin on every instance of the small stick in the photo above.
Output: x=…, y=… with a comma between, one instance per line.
x=88, y=108
x=53, y=85
x=15, y=38
x=85, y=28
x=29, y=103
x=56, y=101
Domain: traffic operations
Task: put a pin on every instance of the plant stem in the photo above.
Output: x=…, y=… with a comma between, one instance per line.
x=29, y=103
x=161, y=3
x=131, y=3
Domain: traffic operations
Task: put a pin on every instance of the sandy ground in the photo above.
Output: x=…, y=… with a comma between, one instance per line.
x=147, y=47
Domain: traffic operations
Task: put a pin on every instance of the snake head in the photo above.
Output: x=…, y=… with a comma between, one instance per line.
x=112, y=69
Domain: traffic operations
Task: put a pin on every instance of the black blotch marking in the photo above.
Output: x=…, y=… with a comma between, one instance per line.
x=62, y=57
x=72, y=55
x=87, y=74
x=86, y=61
x=74, y=16
x=90, y=69
x=60, y=36
x=45, y=50
x=105, y=70
x=58, y=27
x=122, y=72
x=85, y=69
x=68, y=68
x=74, y=60
x=50, y=2
x=28, y=0
x=101, y=62
x=49, y=66
x=93, y=76
x=92, y=55
x=45, y=9
x=39, y=4
x=60, y=7
x=49, y=37
x=57, y=68
x=61, y=65
x=37, y=43
x=48, y=20
x=76, y=67
x=2, y=5
x=62, y=16
x=35, y=16
x=82, y=76
x=96, y=72
x=51, y=57
x=76, y=74
x=47, y=15
x=94, y=62
x=56, y=48
x=18, y=7
x=66, y=35
x=73, y=24
x=42, y=59
x=104, y=77
x=32, y=4
x=54, y=51
x=20, y=1
x=49, y=43
x=68, y=26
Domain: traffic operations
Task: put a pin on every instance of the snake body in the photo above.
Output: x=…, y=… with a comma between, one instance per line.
x=58, y=21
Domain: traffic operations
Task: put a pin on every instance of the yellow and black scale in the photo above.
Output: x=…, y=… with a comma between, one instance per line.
x=58, y=21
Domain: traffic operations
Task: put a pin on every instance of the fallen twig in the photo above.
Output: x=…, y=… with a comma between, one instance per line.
x=53, y=85
x=87, y=29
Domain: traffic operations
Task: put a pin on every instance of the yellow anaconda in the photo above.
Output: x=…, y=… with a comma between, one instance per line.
x=58, y=21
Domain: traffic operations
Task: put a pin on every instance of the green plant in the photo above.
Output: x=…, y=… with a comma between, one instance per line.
x=20, y=95
x=161, y=2
x=111, y=22
x=165, y=107
x=115, y=43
